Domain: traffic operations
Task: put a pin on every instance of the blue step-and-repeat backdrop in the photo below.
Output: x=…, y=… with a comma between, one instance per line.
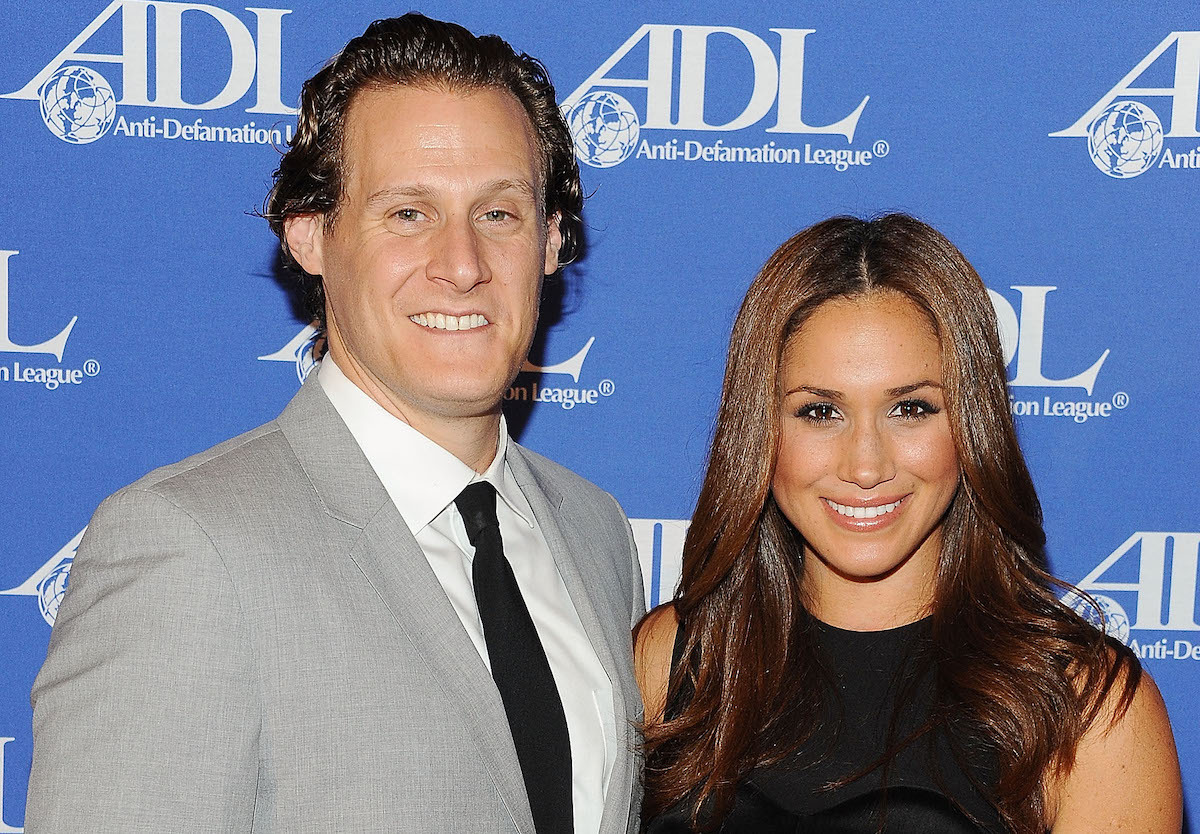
x=142, y=316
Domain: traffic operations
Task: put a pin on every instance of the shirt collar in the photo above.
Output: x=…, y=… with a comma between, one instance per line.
x=420, y=476
x=500, y=476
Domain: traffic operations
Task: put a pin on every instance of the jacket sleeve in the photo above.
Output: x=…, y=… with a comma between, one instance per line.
x=146, y=713
x=639, y=591
x=635, y=590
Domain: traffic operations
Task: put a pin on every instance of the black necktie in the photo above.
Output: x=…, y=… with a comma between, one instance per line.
x=519, y=667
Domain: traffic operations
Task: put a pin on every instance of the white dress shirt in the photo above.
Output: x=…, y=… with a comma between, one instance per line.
x=423, y=479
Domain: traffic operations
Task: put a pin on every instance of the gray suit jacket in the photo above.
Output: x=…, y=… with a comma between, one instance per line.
x=253, y=641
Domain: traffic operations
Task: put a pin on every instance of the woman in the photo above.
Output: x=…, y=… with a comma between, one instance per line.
x=865, y=637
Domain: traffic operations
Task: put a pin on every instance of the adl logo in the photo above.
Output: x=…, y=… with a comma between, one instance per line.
x=1142, y=577
x=607, y=128
x=49, y=582
x=51, y=377
x=4, y=827
x=1125, y=137
x=79, y=106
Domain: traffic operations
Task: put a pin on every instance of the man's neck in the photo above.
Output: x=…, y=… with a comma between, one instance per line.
x=472, y=439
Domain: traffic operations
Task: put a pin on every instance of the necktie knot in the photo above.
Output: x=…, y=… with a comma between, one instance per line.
x=477, y=505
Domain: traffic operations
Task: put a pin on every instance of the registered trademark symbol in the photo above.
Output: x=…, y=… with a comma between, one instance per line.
x=1120, y=399
x=606, y=387
x=91, y=367
x=881, y=148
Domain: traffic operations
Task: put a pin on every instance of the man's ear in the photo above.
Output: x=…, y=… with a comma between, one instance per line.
x=553, y=243
x=304, y=234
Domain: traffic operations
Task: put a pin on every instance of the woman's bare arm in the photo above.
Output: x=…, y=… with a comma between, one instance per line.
x=653, y=644
x=1126, y=774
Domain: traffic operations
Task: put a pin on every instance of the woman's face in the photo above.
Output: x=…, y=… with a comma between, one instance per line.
x=866, y=465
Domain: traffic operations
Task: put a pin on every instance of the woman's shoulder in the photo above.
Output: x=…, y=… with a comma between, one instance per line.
x=653, y=646
x=1126, y=770
x=659, y=624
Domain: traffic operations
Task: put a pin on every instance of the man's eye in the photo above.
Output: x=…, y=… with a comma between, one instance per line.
x=496, y=215
x=408, y=214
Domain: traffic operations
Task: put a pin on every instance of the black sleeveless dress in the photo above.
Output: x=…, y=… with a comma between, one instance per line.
x=923, y=791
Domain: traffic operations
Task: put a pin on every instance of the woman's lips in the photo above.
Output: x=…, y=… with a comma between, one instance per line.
x=864, y=516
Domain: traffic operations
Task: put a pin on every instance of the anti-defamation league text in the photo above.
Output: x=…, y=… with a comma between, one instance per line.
x=49, y=378
x=692, y=150
x=197, y=131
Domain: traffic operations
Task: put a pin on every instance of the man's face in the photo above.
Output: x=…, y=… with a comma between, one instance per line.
x=433, y=267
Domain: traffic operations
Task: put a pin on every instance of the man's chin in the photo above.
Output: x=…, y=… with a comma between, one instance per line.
x=462, y=402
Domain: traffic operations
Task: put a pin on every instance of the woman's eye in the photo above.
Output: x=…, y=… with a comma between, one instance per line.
x=818, y=412
x=914, y=409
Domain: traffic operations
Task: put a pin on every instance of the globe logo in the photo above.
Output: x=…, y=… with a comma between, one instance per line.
x=309, y=354
x=78, y=105
x=1125, y=139
x=605, y=127
x=51, y=589
x=1105, y=613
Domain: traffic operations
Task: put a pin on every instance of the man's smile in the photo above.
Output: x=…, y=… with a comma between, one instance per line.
x=445, y=321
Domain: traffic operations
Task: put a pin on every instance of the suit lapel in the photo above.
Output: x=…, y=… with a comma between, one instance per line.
x=584, y=573
x=391, y=561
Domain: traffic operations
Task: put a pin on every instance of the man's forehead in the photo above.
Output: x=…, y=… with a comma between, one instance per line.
x=392, y=121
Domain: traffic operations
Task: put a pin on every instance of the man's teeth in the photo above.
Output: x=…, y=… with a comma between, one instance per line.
x=440, y=321
x=863, y=512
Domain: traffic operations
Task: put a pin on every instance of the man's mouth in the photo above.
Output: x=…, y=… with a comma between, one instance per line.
x=442, y=321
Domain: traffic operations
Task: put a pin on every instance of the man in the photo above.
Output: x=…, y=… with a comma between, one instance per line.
x=376, y=612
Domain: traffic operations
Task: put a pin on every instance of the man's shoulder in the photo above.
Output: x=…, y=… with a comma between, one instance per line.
x=244, y=450
x=233, y=470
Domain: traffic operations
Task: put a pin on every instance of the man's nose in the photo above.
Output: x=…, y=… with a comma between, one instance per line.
x=867, y=459
x=456, y=257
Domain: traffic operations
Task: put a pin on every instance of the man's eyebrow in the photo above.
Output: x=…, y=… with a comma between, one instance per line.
x=401, y=192
x=831, y=394
x=498, y=186
x=424, y=192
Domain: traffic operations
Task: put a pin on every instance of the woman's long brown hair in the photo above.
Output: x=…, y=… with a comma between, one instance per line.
x=1024, y=671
